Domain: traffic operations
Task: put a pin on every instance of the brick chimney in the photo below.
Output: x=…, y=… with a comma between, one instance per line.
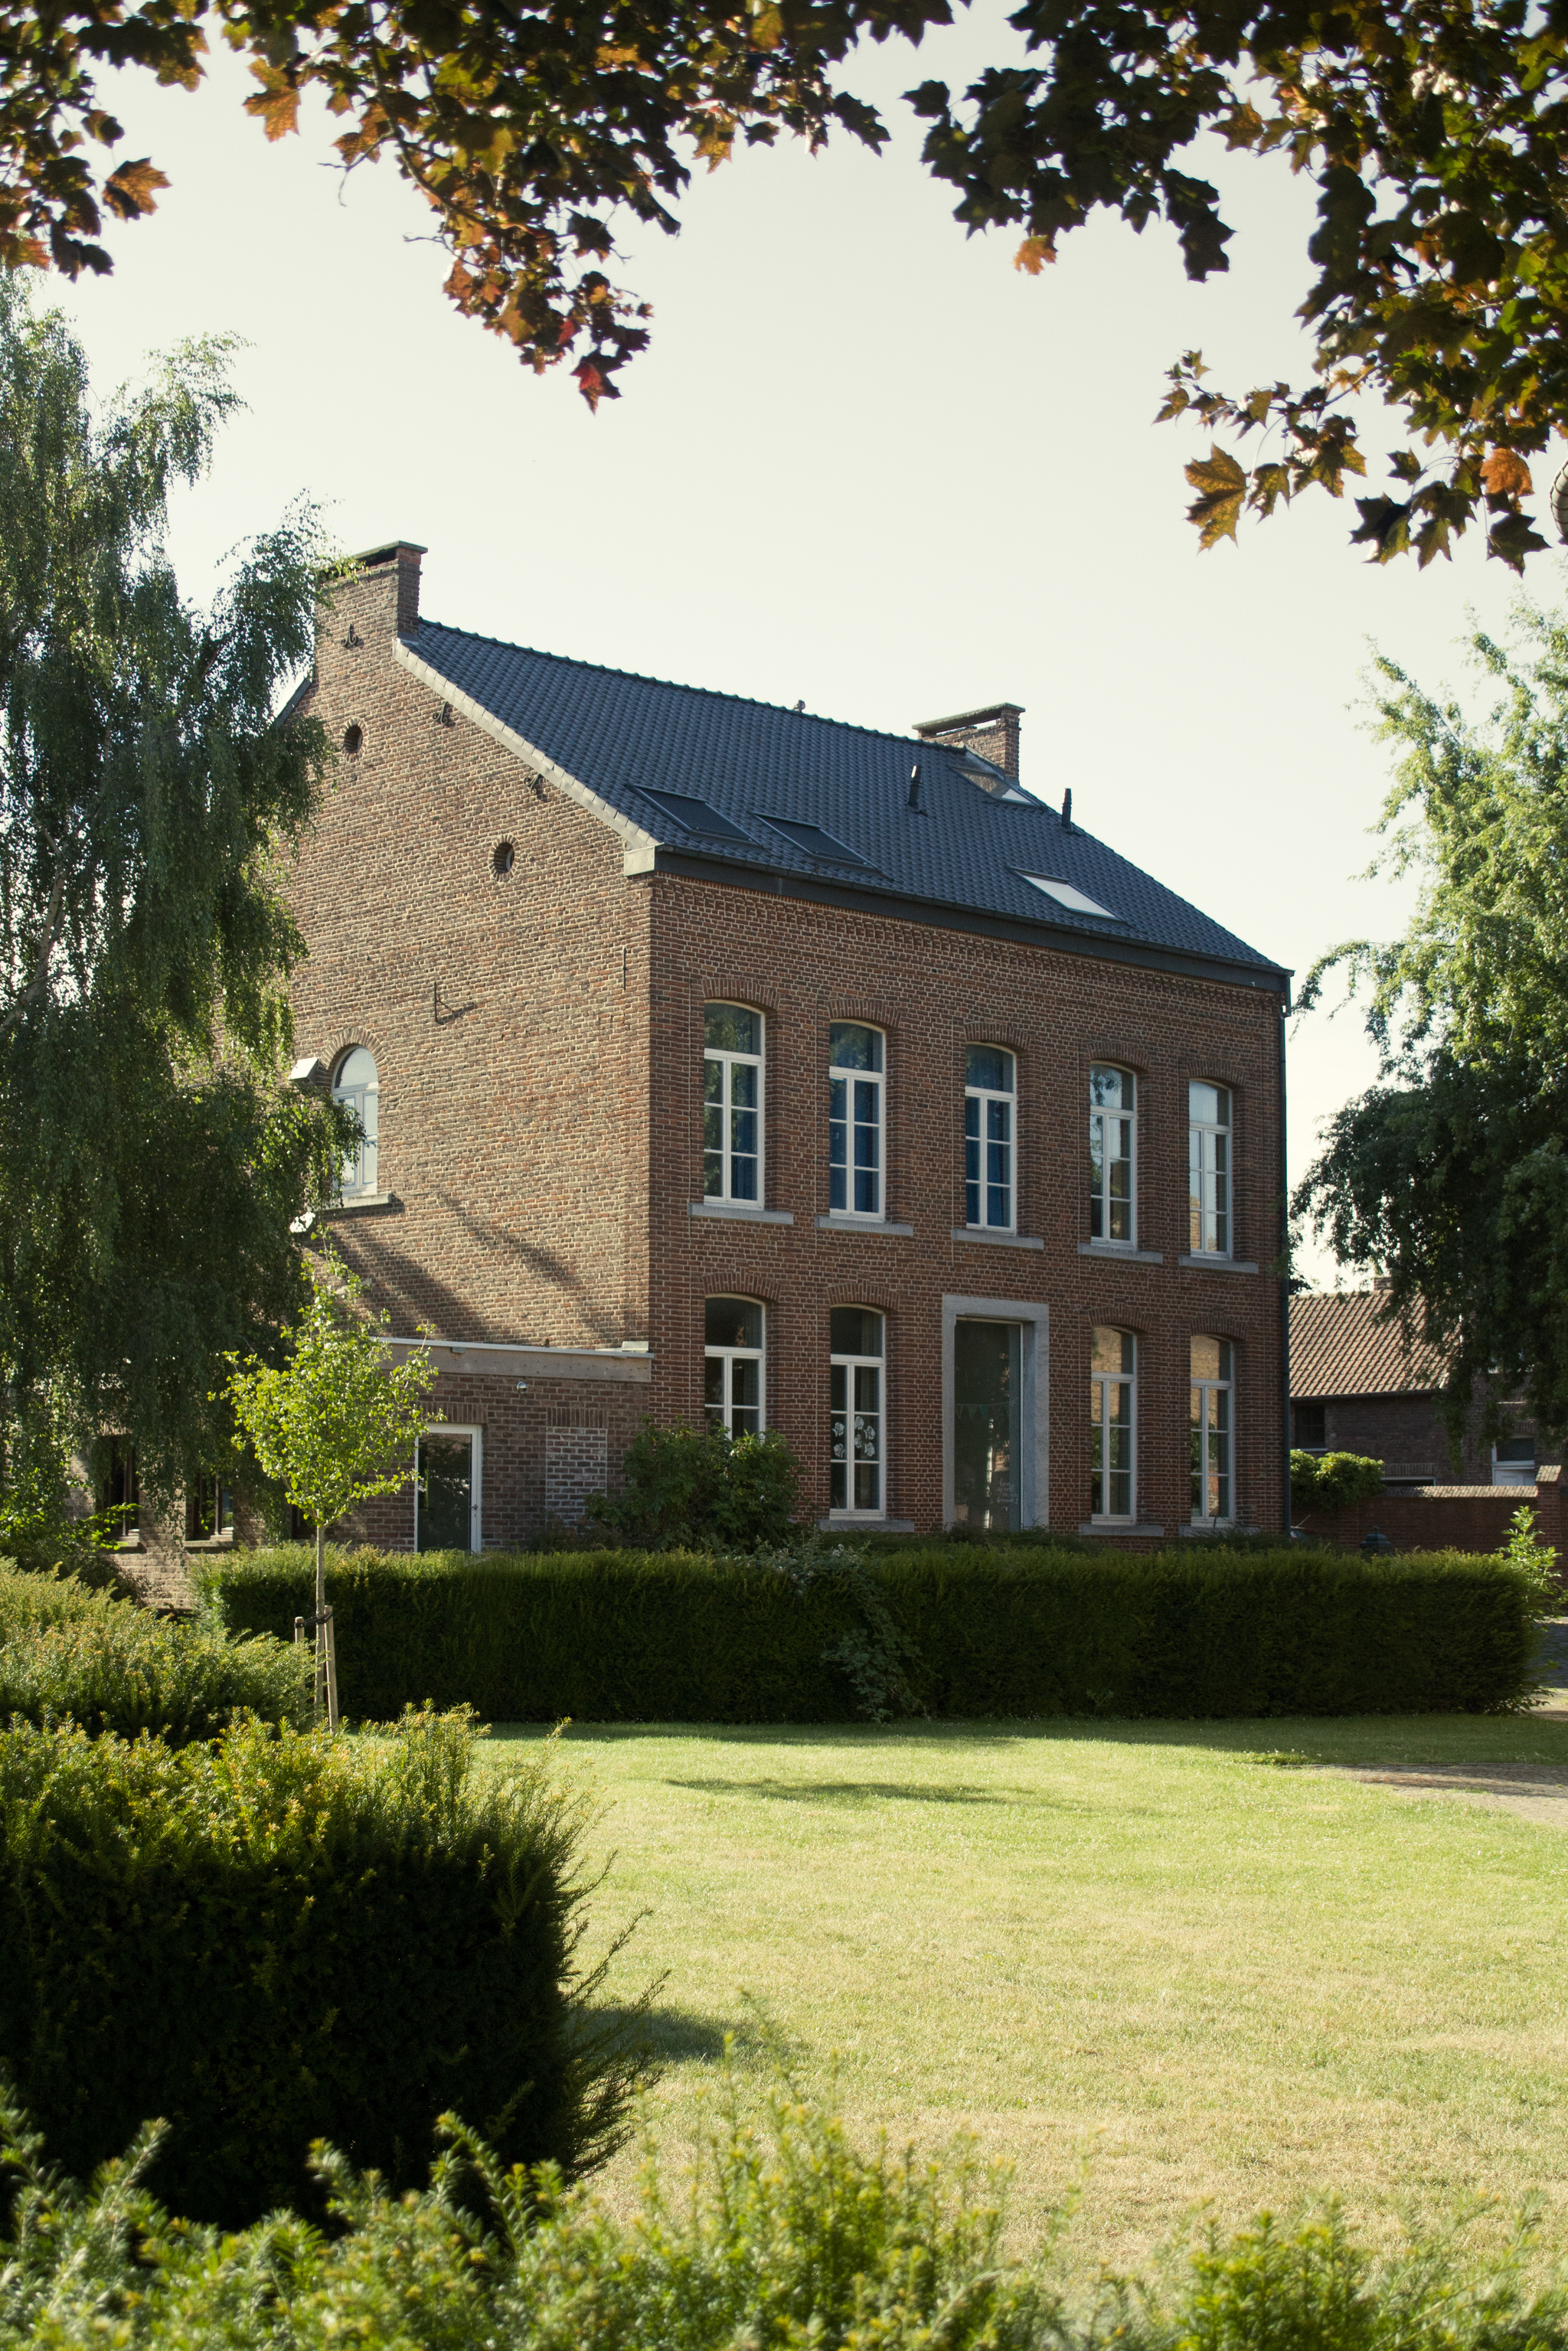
x=992, y=733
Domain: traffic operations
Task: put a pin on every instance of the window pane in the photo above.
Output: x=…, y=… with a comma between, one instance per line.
x=854, y=1331
x=851, y=1046
x=1111, y=1089
x=355, y=1069
x=838, y=1143
x=988, y=1066
x=986, y=1378
x=1112, y=1351
x=745, y=1383
x=732, y=1323
x=1209, y=1103
x=731, y=1029
x=1205, y=1354
x=971, y=1160
x=445, y=1475
x=713, y=1385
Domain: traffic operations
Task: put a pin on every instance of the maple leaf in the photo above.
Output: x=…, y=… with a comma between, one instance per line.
x=131, y=191
x=1506, y=475
x=277, y=104
x=1034, y=253
x=1221, y=485
x=1513, y=539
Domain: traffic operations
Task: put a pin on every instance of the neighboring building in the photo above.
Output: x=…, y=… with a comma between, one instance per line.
x=718, y=1059
x=1355, y=1389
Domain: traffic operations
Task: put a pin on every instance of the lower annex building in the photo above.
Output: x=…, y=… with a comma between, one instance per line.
x=718, y=1059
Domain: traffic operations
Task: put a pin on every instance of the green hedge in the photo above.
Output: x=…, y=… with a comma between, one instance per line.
x=66, y=1652
x=279, y=1937
x=629, y=1638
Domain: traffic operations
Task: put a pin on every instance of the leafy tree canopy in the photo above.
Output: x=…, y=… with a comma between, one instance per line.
x=150, y=1163
x=1434, y=133
x=1452, y=1172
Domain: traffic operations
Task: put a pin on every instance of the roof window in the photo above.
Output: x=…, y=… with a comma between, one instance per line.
x=1076, y=901
x=815, y=842
x=694, y=815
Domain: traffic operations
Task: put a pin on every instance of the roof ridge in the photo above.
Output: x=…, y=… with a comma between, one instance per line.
x=710, y=693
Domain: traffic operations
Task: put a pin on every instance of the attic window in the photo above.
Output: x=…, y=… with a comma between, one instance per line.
x=815, y=842
x=694, y=815
x=353, y=738
x=1074, y=899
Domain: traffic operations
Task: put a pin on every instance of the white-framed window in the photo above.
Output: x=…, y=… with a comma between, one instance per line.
x=1112, y=1156
x=856, y=1408
x=356, y=1083
x=855, y=1074
x=1213, y=1425
x=1113, y=1423
x=1514, y=1461
x=733, y=1390
x=448, y=1477
x=732, y=1103
x=989, y=1106
x=1208, y=1168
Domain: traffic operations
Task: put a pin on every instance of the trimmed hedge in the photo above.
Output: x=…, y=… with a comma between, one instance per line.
x=70, y=1653
x=279, y=1937
x=623, y=1636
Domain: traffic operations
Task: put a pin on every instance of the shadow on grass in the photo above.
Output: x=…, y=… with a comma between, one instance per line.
x=862, y=1792
x=679, y=2036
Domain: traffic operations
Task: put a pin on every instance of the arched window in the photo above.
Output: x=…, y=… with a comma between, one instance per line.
x=1208, y=1168
x=357, y=1084
x=1213, y=1384
x=855, y=1119
x=1112, y=1156
x=1113, y=1423
x=732, y=1365
x=732, y=1103
x=989, y=1081
x=855, y=1407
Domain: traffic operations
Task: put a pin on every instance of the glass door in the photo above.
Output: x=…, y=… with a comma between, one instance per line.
x=987, y=1383
x=443, y=1491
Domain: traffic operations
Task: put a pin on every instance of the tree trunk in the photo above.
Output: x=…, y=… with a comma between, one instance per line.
x=326, y=1648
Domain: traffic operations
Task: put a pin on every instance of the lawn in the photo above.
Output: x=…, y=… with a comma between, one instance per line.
x=1130, y=1953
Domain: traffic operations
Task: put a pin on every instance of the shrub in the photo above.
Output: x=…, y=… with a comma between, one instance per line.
x=689, y=1485
x=787, y=2235
x=108, y=1664
x=281, y=1938
x=677, y=1636
x=1331, y=1481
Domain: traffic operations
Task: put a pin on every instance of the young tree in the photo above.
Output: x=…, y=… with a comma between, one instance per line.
x=151, y=1157
x=334, y=1425
x=1451, y=1174
x=1433, y=132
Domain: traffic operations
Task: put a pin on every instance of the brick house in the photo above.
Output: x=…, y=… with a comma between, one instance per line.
x=1356, y=1388
x=718, y=1059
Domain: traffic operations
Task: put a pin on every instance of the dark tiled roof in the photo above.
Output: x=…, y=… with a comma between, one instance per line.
x=1340, y=1348
x=625, y=738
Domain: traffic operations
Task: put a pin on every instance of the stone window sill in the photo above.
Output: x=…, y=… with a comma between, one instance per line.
x=736, y=1212
x=1218, y=1264
x=1211, y=1527
x=225, y=1542
x=846, y=1522
x=1116, y=1527
x=1119, y=1249
x=359, y=1203
x=994, y=1240
x=861, y=1225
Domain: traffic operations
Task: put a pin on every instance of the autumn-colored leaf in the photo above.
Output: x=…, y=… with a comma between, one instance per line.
x=132, y=190
x=1034, y=253
x=1506, y=475
x=1221, y=485
x=276, y=104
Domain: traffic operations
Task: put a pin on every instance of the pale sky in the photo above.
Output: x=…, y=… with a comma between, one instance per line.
x=865, y=464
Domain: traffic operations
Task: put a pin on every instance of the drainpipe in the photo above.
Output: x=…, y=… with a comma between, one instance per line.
x=1285, y=1268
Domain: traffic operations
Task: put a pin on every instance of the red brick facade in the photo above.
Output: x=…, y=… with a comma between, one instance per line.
x=539, y=1037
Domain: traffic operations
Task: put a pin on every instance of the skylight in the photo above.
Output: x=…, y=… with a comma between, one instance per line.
x=815, y=842
x=1066, y=895
x=694, y=815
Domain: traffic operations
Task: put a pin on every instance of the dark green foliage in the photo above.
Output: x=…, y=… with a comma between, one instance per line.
x=674, y=1636
x=1331, y=1481
x=787, y=2236
x=689, y=1485
x=67, y=1652
x=281, y=1936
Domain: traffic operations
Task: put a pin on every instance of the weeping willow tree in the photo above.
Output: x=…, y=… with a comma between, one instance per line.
x=152, y=1159
x=1451, y=1172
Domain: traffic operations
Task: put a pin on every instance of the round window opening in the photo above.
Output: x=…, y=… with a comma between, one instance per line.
x=353, y=737
x=503, y=860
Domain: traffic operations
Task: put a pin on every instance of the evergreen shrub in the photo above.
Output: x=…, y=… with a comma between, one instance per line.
x=1009, y=1631
x=108, y=1664
x=788, y=2235
x=282, y=1937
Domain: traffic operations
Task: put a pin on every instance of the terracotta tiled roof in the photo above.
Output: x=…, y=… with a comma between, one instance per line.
x=1341, y=1347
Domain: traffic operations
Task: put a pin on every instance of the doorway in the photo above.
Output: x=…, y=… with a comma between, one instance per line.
x=446, y=1490
x=988, y=1393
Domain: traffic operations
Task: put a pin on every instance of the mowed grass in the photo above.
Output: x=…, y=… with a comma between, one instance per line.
x=1130, y=1955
